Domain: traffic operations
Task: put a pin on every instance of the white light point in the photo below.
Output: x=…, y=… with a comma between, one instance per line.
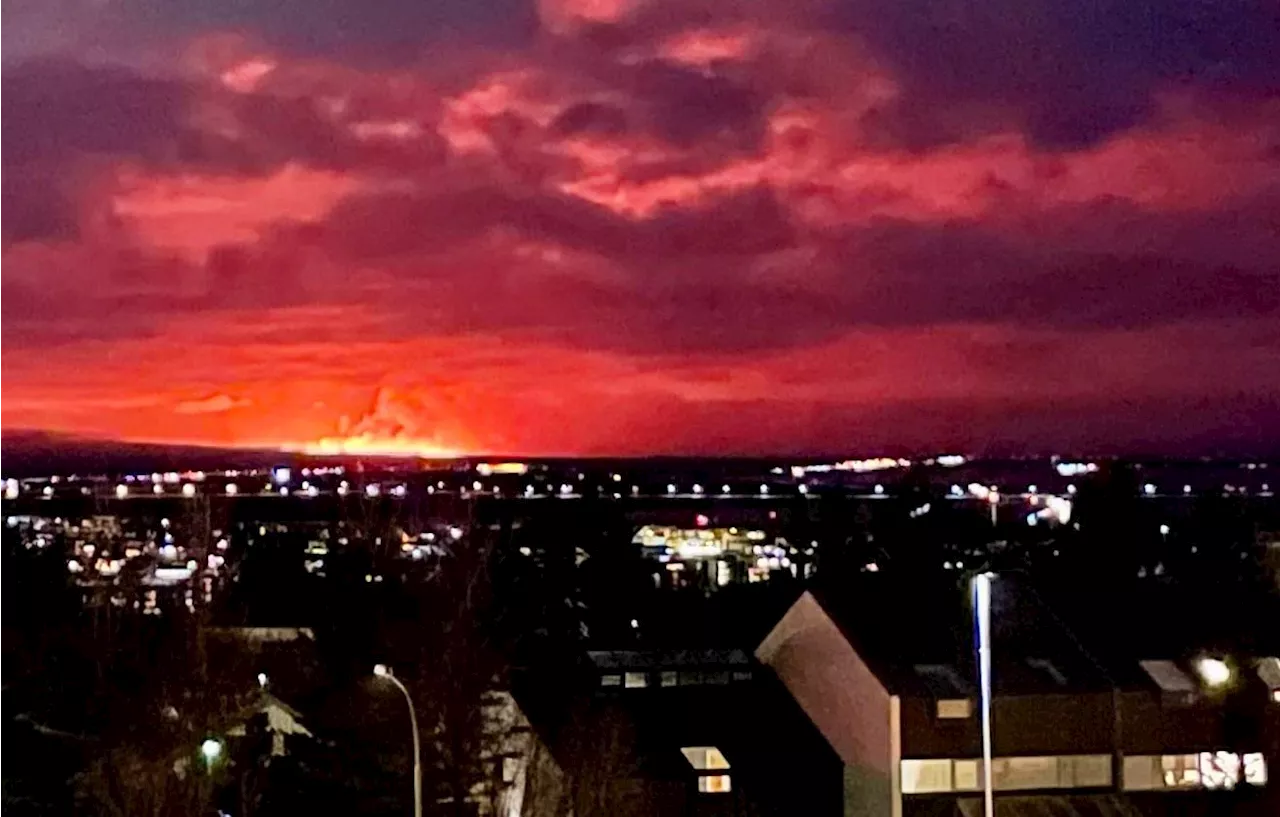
x=1213, y=671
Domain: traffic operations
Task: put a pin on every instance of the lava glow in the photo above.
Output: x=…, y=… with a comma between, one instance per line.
x=369, y=445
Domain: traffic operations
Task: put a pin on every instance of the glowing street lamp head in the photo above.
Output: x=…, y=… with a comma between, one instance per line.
x=211, y=749
x=381, y=670
x=1213, y=671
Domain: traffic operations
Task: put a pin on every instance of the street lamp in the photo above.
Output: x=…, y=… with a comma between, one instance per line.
x=982, y=614
x=384, y=671
x=211, y=750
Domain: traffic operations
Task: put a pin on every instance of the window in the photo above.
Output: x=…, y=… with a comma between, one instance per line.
x=714, y=784
x=715, y=678
x=690, y=679
x=1205, y=770
x=705, y=758
x=635, y=680
x=1219, y=770
x=1013, y=773
x=610, y=680
x=742, y=676
x=670, y=679
x=926, y=776
x=1255, y=769
x=1007, y=773
x=950, y=708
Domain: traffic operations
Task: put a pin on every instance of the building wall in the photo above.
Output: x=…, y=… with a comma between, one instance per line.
x=1024, y=725
x=846, y=702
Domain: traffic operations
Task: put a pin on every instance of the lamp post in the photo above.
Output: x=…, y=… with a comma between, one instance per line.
x=383, y=671
x=982, y=617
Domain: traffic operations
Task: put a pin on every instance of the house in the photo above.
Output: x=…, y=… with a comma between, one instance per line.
x=885, y=669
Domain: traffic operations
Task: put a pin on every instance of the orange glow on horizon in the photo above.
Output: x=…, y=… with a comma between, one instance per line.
x=369, y=445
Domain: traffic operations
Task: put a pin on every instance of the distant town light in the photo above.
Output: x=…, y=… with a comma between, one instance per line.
x=1149, y=489
x=804, y=489
x=122, y=491
x=455, y=533
x=724, y=489
x=11, y=489
x=262, y=680
x=48, y=491
x=371, y=489
x=157, y=489
x=879, y=489
x=188, y=490
x=231, y=489
x=281, y=475
x=1164, y=530
x=697, y=489
x=764, y=489
x=671, y=488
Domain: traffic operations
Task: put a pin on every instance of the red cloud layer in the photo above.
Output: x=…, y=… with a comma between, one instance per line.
x=699, y=237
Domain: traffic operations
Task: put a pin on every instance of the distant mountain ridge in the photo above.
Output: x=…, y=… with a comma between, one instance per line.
x=34, y=453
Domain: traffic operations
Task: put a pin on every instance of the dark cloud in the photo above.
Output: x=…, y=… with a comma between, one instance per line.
x=35, y=206
x=372, y=31
x=1070, y=73
x=53, y=110
x=686, y=106
x=388, y=225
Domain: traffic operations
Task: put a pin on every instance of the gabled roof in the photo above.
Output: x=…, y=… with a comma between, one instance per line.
x=917, y=635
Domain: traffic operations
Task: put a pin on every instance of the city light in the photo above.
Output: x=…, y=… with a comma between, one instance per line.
x=122, y=491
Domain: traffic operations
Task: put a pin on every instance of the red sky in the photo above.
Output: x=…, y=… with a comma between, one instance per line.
x=644, y=226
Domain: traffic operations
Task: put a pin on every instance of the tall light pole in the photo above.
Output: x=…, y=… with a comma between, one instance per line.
x=982, y=617
x=383, y=671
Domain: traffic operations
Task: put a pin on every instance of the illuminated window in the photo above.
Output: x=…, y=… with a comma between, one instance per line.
x=610, y=680
x=1219, y=770
x=926, y=776
x=955, y=708
x=705, y=758
x=1255, y=769
x=635, y=680
x=742, y=676
x=1206, y=770
x=714, y=784
x=1007, y=773
x=670, y=679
